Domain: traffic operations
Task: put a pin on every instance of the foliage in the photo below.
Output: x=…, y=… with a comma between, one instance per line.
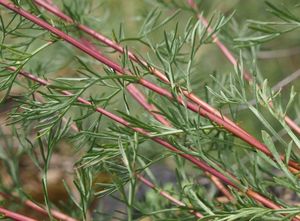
x=135, y=126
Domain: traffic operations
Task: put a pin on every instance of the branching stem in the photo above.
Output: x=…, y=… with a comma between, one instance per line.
x=202, y=165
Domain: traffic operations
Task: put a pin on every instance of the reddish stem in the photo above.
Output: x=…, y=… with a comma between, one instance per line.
x=56, y=214
x=204, y=109
x=221, y=187
x=167, y=196
x=14, y=215
x=120, y=120
x=243, y=135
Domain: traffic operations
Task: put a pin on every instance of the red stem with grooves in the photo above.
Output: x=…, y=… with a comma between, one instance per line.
x=204, y=109
x=202, y=165
x=233, y=61
x=237, y=132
